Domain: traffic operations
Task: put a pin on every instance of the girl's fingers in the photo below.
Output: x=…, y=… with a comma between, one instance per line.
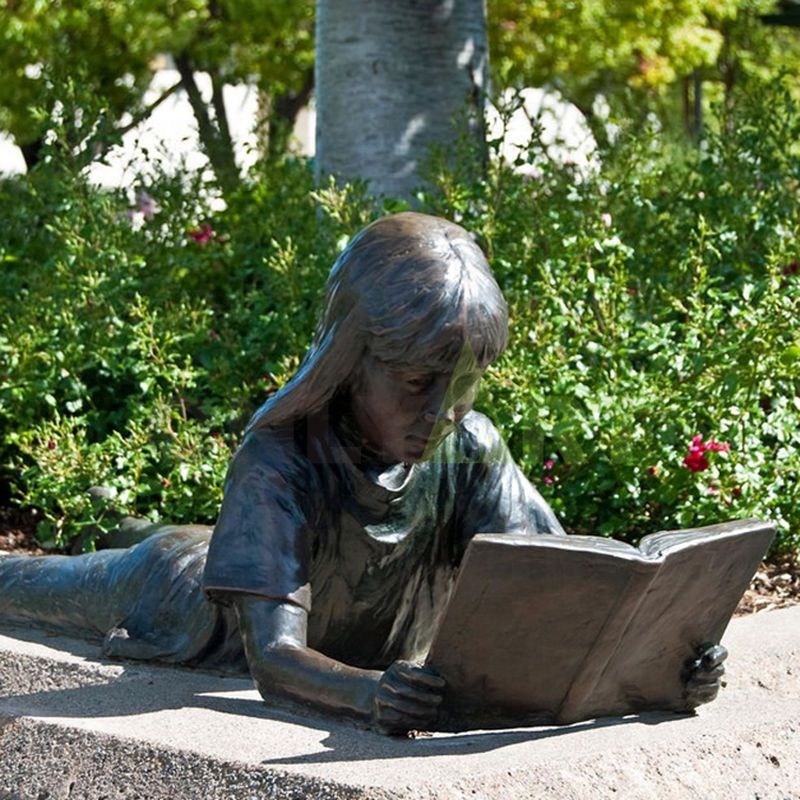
x=713, y=657
x=413, y=693
x=420, y=676
x=707, y=676
x=393, y=704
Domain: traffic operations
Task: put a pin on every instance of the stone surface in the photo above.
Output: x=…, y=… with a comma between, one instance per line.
x=73, y=725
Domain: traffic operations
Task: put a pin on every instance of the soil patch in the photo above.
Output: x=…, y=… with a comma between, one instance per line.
x=18, y=531
x=775, y=585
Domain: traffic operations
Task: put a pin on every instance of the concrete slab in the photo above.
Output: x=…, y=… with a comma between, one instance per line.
x=75, y=725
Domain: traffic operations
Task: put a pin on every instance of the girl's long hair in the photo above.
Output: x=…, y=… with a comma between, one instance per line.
x=411, y=289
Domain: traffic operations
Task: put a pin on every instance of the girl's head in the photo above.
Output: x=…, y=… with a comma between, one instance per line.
x=412, y=294
x=420, y=289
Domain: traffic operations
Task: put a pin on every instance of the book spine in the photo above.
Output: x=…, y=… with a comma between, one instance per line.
x=607, y=642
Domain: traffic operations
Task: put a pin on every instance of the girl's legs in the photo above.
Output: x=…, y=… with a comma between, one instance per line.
x=145, y=601
x=73, y=594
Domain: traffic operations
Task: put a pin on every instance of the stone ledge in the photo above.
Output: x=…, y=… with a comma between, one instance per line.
x=73, y=724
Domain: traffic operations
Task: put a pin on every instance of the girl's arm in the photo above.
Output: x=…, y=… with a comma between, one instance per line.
x=404, y=697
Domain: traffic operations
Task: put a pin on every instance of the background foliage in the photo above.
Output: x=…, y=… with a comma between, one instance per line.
x=653, y=300
x=640, y=58
x=636, y=58
x=113, y=48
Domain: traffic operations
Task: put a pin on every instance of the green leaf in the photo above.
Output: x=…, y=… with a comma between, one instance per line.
x=791, y=355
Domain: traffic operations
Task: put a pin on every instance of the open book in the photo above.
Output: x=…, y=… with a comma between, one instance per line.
x=543, y=629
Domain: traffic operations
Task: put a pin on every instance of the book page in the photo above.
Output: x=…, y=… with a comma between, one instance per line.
x=689, y=603
x=527, y=617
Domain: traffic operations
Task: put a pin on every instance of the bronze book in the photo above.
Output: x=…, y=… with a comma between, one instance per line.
x=556, y=629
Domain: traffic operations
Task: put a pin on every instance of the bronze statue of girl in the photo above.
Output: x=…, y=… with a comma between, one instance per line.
x=347, y=508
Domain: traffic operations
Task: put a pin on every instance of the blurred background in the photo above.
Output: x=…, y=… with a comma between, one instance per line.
x=177, y=177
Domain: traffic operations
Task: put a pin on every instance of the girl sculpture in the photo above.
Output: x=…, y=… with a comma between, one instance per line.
x=347, y=507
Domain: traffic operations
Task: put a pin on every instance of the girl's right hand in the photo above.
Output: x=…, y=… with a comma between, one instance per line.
x=407, y=697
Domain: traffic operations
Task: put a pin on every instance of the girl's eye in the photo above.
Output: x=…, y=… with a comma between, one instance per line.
x=419, y=382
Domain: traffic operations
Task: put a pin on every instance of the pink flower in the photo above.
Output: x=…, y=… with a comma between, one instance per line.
x=165, y=482
x=203, y=235
x=695, y=459
x=146, y=205
x=717, y=447
x=548, y=481
x=549, y=464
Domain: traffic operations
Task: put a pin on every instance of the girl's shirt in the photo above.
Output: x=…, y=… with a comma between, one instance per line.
x=371, y=556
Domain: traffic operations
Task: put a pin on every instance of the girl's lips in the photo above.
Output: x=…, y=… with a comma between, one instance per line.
x=431, y=442
x=416, y=444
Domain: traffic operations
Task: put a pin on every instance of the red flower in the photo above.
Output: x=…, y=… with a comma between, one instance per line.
x=165, y=482
x=203, y=235
x=791, y=269
x=51, y=445
x=653, y=470
x=695, y=459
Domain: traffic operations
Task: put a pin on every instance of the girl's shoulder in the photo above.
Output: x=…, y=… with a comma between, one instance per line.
x=476, y=439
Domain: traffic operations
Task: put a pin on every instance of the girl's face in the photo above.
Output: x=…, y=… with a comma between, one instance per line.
x=405, y=412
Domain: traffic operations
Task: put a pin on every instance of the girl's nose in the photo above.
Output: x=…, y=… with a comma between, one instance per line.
x=439, y=407
x=442, y=415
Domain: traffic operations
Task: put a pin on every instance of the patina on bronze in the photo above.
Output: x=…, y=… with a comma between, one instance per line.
x=347, y=508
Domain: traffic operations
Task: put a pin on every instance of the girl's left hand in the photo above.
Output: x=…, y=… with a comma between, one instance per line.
x=702, y=675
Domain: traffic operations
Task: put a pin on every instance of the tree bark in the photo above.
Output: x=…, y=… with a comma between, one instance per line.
x=278, y=114
x=393, y=78
x=31, y=152
x=214, y=134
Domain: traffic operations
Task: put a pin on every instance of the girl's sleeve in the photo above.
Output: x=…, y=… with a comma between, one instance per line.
x=261, y=542
x=495, y=496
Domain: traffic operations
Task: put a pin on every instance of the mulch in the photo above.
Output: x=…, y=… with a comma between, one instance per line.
x=776, y=584
x=18, y=531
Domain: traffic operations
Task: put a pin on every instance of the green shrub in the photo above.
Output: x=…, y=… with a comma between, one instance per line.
x=652, y=301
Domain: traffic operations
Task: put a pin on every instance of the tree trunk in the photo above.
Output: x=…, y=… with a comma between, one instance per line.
x=214, y=134
x=277, y=117
x=31, y=152
x=393, y=78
